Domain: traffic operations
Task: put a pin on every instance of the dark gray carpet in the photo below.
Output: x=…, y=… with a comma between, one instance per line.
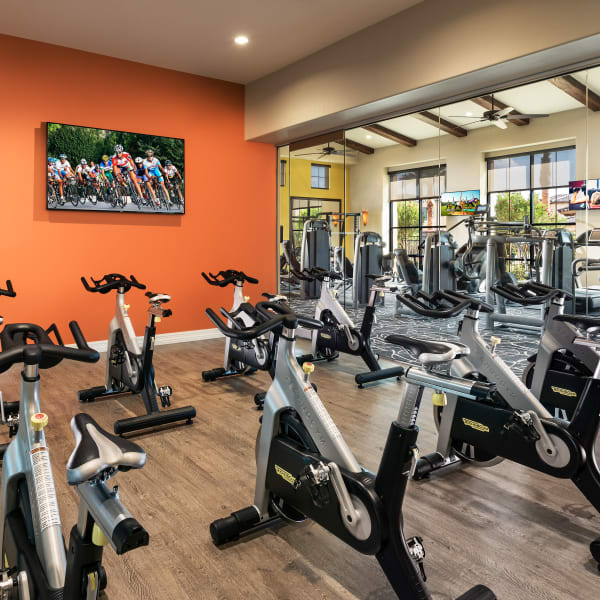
x=514, y=348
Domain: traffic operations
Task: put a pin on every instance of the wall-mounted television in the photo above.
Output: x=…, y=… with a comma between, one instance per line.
x=108, y=170
x=584, y=194
x=461, y=203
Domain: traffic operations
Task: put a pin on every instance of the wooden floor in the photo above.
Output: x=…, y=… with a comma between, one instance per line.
x=523, y=534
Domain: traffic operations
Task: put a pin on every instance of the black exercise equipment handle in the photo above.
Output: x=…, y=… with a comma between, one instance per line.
x=225, y=278
x=112, y=281
x=266, y=309
x=427, y=311
x=9, y=291
x=249, y=333
x=32, y=354
x=529, y=293
x=475, y=304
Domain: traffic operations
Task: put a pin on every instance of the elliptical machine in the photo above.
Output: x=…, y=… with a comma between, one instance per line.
x=306, y=470
x=339, y=334
x=129, y=368
x=241, y=357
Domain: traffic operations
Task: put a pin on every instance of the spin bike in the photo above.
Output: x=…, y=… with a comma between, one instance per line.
x=339, y=334
x=557, y=373
x=306, y=470
x=514, y=424
x=243, y=357
x=129, y=369
x=36, y=564
x=10, y=292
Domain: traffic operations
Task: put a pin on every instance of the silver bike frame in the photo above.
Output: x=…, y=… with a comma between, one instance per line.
x=27, y=457
x=121, y=321
x=557, y=335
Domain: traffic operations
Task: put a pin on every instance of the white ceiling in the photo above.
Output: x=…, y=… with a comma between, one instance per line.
x=541, y=97
x=196, y=36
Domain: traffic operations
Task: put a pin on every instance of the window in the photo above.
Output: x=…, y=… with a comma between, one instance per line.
x=533, y=185
x=282, y=169
x=415, y=206
x=319, y=177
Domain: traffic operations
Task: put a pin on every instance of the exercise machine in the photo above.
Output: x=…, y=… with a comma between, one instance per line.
x=306, y=470
x=10, y=292
x=557, y=373
x=36, y=564
x=368, y=253
x=316, y=252
x=515, y=426
x=129, y=368
x=340, y=334
x=240, y=357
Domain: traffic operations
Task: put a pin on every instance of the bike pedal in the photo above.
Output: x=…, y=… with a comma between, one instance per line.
x=165, y=392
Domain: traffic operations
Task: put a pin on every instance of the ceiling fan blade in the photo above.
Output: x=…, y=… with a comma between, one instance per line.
x=500, y=124
x=463, y=116
x=520, y=116
x=306, y=154
x=504, y=111
x=473, y=122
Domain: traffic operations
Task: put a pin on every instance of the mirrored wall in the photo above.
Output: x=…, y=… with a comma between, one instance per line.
x=523, y=163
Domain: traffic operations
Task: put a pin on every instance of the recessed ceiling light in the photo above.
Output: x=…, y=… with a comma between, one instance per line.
x=241, y=40
x=469, y=114
x=369, y=137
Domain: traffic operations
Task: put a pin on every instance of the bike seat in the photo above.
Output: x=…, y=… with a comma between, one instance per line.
x=581, y=322
x=97, y=450
x=163, y=298
x=429, y=352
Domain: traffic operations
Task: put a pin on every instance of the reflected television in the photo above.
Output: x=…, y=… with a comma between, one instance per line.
x=461, y=203
x=584, y=194
x=91, y=169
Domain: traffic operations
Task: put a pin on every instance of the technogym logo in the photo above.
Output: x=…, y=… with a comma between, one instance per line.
x=475, y=425
x=285, y=475
x=564, y=391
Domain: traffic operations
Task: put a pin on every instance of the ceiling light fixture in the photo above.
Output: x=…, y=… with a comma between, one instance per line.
x=369, y=137
x=469, y=114
x=241, y=40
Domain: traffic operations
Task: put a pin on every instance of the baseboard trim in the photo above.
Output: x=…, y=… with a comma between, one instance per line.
x=177, y=337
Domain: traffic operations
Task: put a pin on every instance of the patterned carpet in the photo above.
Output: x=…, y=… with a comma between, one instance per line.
x=514, y=348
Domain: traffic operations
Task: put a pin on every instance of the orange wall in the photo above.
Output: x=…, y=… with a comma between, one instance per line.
x=230, y=218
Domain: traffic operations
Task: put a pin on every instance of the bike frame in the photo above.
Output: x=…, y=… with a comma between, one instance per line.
x=556, y=336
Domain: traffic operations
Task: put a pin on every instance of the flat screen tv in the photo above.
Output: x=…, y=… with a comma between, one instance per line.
x=584, y=194
x=461, y=203
x=107, y=170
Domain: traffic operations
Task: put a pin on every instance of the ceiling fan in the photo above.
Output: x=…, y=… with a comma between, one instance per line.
x=328, y=151
x=498, y=117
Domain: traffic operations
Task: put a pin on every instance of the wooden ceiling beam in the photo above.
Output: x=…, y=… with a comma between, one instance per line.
x=491, y=103
x=569, y=85
x=390, y=135
x=325, y=138
x=442, y=124
x=359, y=147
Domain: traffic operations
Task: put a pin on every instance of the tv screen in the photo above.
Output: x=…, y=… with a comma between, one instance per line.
x=584, y=194
x=107, y=170
x=461, y=203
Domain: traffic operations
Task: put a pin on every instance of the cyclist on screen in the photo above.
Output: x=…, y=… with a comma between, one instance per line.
x=123, y=165
x=106, y=168
x=54, y=176
x=64, y=167
x=172, y=174
x=154, y=169
x=82, y=170
x=140, y=173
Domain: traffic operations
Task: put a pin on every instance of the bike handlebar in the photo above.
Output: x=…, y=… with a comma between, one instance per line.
x=529, y=293
x=9, y=291
x=267, y=308
x=225, y=278
x=112, y=281
x=437, y=311
x=32, y=354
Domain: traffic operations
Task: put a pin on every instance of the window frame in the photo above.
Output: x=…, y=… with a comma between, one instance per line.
x=282, y=171
x=532, y=188
x=326, y=177
x=393, y=236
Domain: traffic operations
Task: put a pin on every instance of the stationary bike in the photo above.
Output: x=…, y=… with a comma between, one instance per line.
x=556, y=374
x=10, y=292
x=129, y=368
x=241, y=357
x=339, y=334
x=514, y=424
x=35, y=563
x=306, y=470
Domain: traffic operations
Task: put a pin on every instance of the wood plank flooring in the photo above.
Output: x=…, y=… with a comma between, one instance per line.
x=524, y=534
